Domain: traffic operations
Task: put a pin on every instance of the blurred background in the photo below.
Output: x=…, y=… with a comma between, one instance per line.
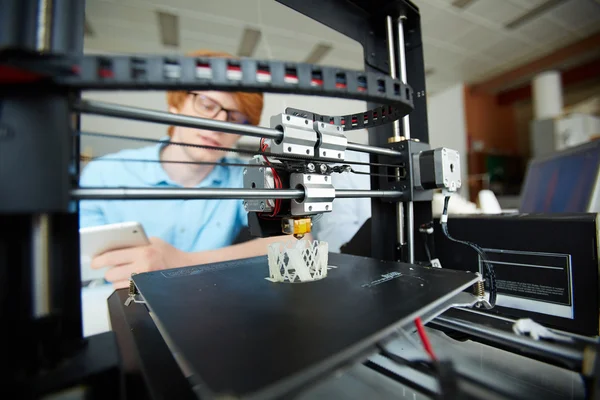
x=507, y=80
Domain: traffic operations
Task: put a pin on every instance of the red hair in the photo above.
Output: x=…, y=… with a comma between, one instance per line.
x=251, y=104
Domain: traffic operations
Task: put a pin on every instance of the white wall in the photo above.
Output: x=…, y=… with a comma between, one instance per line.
x=274, y=104
x=447, y=125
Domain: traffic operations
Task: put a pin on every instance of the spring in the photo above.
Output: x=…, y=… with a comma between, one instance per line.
x=479, y=289
x=132, y=288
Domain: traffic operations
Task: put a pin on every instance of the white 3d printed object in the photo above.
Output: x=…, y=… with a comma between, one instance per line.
x=297, y=261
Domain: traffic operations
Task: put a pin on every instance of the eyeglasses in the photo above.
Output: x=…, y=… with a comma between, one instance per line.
x=209, y=108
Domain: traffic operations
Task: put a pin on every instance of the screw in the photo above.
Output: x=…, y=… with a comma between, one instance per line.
x=309, y=208
x=310, y=167
x=323, y=168
x=325, y=179
x=307, y=151
x=246, y=205
x=306, y=121
x=261, y=169
x=324, y=153
x=339, y=155
x=322, y=125
x=326, y=207
x=289, y=149
x=288, y=118
x=308, y=178
x=338, y=128
x=262, y=205
x=245, y=171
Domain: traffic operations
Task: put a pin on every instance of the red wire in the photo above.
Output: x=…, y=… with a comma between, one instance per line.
x=276, y=179
x=424, y=338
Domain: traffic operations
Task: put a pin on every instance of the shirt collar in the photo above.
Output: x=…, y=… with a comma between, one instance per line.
x=155, y=174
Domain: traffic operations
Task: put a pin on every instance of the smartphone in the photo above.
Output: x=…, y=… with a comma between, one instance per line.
x=100, y=239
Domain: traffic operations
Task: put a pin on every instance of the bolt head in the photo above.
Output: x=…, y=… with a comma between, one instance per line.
x=262, y=206
x=323, y=168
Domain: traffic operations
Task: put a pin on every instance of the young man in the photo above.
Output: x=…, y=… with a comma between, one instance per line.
x=183, y=232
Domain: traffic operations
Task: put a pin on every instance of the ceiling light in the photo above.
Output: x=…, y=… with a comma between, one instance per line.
x=534, y=13
x=249, y=43
x=318, y=53
x=462, y=3
x=87, y=29
x=169, y=28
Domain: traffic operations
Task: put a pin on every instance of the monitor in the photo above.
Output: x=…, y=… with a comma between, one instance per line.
x=567, y=181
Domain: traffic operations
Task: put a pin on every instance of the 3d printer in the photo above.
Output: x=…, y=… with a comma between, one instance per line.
x=235, y=334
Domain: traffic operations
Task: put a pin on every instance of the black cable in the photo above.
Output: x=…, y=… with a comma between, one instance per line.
x=157, y=141
x=426, y=233
x=426, y=245
x=488, y=266
x=224, y=164
x=371, y=174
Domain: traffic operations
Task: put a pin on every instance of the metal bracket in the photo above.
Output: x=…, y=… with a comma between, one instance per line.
x=258, y=178
x=331, y=140
x=318, y=194
x=299, y=137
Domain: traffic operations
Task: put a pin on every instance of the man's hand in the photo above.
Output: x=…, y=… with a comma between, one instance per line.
x=153, y=257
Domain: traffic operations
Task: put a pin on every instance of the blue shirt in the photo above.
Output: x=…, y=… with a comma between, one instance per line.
x=189, y=225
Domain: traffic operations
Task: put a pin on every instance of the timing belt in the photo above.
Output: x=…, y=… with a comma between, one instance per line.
x=243, y=75
x=277, y=156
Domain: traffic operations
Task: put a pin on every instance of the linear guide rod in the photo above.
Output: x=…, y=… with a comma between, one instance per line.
x=209, y=193
x=160, y=117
